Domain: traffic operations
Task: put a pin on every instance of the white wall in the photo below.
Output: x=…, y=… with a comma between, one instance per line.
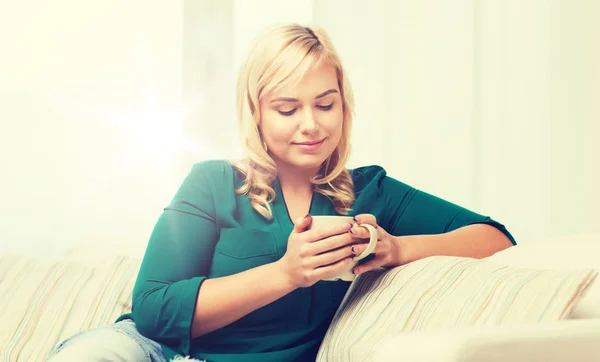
x=104, y=106
x=412, y=73
x=539, y=64
x=81, y=85
x=487, y=104
x=490, y=104
x=575, y=116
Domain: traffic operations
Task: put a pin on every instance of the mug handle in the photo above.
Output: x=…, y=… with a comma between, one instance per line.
x=372, y=242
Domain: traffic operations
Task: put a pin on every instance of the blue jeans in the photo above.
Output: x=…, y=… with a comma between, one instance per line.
x=118, y=342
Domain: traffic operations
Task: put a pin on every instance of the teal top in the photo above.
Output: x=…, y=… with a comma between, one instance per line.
x=207, y=231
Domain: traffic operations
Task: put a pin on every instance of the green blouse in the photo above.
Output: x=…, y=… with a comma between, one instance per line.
x=207, y=231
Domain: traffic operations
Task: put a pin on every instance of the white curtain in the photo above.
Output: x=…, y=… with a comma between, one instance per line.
x=489, y=104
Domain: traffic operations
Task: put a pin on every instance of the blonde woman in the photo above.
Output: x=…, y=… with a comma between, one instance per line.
x=231, y=272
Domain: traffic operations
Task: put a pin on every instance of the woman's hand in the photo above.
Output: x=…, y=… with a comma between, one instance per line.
x=387, y=253
x=316, y=254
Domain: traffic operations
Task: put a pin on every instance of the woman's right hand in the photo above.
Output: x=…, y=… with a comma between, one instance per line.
x=316, y=254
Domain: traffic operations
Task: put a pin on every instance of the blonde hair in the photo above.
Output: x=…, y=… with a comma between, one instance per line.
x=281, y=56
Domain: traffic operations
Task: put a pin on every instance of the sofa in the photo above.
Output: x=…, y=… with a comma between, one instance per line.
x=537, y=301
x=575, y=338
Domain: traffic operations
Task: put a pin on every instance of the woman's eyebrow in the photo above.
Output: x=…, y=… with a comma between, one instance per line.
x=284, y=99
x=326, y=93
x=288, y=99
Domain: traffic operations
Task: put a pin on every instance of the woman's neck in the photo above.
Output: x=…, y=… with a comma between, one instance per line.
x=297, y=190
x=299, y=180
x=295, y=181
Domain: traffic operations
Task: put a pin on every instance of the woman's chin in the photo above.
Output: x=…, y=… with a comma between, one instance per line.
x=312, y=163
x=309, y=167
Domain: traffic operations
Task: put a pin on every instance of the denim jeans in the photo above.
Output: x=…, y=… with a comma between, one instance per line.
x=118, y=342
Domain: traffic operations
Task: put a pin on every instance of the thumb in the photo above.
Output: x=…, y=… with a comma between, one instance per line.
x=302, y=224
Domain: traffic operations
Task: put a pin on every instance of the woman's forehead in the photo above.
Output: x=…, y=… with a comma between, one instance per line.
x=313, y=83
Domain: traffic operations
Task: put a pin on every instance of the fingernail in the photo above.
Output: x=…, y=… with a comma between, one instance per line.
x=355, y=271
x=354, y=218
x=350, y=230
x=353, y=249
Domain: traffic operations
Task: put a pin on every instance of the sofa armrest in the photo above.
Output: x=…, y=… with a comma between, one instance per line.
x=561, y=341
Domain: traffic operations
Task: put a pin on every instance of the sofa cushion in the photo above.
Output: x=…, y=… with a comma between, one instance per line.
x=43, y=300
x=561, y=252
x=441, y=292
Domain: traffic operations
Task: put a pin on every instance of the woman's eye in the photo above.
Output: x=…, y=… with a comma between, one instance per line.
x=325, y=108
x=287, y=113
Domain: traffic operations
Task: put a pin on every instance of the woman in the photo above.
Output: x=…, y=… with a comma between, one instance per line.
x=227, y=275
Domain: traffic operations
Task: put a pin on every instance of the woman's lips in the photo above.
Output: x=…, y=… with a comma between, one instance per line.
x=310, y=145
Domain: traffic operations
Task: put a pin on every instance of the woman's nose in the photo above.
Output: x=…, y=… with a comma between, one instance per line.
x=308, y=122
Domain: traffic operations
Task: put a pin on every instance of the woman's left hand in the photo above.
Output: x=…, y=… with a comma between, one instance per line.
x=386, y=252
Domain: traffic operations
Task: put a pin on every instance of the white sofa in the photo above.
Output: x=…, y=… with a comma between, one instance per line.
x=44, y=300
x=563, y=341
x=575, y=339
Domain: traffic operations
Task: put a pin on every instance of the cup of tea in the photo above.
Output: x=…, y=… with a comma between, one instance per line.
x=328, y=221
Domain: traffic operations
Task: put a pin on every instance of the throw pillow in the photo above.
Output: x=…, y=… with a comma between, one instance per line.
x=563, y=252
x=442, y=292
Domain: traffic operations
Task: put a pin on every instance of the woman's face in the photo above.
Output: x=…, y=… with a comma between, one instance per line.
x=302, y=123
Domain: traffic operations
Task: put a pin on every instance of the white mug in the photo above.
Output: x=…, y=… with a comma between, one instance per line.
x=328, y=221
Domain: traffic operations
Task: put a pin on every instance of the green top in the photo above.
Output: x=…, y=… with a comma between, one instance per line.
x=208, y=231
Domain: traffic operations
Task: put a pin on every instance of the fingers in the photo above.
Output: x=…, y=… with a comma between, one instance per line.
x=327, y=239
x=380, y=248
x=332, y=269
x=357, y=231
x=366, y=219
x=330, y=243
x=302, y=224
x=318, y=234
x=377, y=262
x=360, y=248
x=360, y=232
x=331, y=257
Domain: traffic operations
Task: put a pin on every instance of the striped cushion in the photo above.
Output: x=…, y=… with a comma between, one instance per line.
x=446, y=292
x=44, y=301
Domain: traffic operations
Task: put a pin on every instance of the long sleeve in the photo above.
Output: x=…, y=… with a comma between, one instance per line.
x=176, y=262
x=404, y=210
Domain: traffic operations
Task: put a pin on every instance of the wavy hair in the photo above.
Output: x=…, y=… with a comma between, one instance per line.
x=280, y=56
